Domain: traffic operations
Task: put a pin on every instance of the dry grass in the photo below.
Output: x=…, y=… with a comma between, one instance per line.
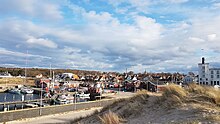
x=173, y=95
x=175, y=90
x=174, y=99
x=211, y=94
x=214, y=118
x=129, y=107
x=15, y=81
x=194, y=88
x=111, y=118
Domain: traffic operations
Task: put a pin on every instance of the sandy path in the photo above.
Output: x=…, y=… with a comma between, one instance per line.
x=57, y=118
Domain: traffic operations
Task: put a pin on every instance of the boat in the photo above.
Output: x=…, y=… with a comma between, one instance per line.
x=84, y=96
x=60, y=99
x=69, y=99
x=39, y=104
x=26, y=90
x=31, y=105
x=14, y=90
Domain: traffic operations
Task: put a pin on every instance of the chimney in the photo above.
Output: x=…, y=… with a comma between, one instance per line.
x=203, y=60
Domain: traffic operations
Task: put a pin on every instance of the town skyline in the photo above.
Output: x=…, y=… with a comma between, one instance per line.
x=156, y=36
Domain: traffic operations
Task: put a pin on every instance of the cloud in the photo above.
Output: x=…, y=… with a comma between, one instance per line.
x=42, y=42
x=196, y=39
x=32, y=8
x=97, y=38
x=216, y=5
x=176, y=1
x=212, y=37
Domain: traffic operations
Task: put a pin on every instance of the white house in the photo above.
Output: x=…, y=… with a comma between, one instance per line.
x=208, y=76
x=5, y=75
x=188, y=79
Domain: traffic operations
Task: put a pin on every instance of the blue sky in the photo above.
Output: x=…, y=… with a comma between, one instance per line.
x=110, y=35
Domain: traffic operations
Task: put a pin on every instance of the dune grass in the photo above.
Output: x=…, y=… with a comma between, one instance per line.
x=209, y=93
x=175, y=90
x=110, y=118
x=129, y=106
x=173, y=95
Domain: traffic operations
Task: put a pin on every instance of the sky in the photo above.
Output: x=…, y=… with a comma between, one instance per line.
x=110, y=35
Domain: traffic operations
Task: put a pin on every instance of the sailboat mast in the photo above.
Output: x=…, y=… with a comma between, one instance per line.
x=26, y=68
x=50, y=72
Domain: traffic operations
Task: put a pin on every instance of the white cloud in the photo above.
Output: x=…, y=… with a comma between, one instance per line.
x=216, y=5
x=102, y=18
x=32, y=8
x=4, y=51
x=176, y=1
x=211, y=37
x=42, y=42
x=102, y=41
x=196, y=39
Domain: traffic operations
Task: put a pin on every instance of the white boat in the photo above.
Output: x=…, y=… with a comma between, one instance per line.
x=15, y=91
x=61, y=99
x=69, y=99
x=31, y=105
x=84, y=96
x=27, y=90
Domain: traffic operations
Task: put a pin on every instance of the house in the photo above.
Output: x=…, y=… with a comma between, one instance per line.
x=207, y=75
x=5, y=75
x=45, y=82
x=188, y=79
x=39, y=76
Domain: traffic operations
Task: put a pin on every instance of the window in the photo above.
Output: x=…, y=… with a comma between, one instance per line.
x=217, y=82
x=217, y=71
x=200, y=79
x=206, y=78
x=206, y=83
x=214, y=82
x=211, y=82
x=212, y=76
x=203, y=75
x=203, y=71
x=217, y=76
x=211, y=71
x=203, y=67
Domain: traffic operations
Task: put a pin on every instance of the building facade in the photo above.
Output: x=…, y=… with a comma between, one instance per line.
x=208, y=76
